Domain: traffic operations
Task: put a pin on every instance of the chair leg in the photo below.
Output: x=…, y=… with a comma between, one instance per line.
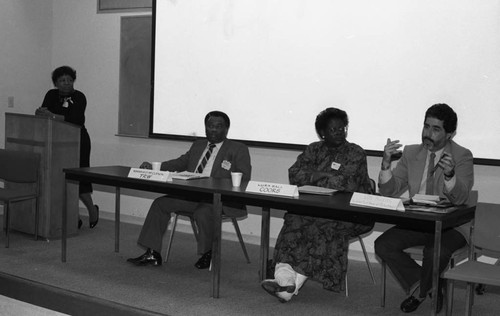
x=346, y=286
x=7, y=223
x=382, y=283
x=36, y=218
x=194, y=227
x=367, y=259
x=240, y=238
x=449, y=300
x=173, y=219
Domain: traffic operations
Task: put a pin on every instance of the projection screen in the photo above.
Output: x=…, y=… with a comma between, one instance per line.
x=273, y=65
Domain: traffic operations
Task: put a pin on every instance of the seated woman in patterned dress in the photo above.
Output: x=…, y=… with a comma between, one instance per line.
x=311, y=247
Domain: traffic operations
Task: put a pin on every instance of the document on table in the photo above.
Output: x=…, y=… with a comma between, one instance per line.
x=430, y=209
x=311, y=189
x=186, y=175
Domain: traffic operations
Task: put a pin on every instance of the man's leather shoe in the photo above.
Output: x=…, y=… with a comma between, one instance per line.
x=150, y=257
x=204, y=261
x=411, y=304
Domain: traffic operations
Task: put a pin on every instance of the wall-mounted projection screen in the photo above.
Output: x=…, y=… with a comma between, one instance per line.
x=273, y=65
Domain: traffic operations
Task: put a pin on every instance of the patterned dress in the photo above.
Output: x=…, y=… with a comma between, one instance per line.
x=318, y=247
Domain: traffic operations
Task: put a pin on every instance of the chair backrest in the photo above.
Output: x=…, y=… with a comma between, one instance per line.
x=487, y=227
x=19, y=166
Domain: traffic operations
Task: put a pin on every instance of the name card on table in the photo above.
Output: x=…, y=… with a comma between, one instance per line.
x=147, y=174
x=272, y=188
x=361, y=199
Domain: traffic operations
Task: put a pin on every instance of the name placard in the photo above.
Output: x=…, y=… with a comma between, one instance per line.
x=147, y=174
x=272, y=188
x=361, y=199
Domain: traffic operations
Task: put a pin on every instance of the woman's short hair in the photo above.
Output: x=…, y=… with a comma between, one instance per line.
x=218, y=114
x=445, y=113
x=61, y=71
x=328, y=114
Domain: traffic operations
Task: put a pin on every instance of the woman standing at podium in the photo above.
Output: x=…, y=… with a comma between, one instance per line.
x=67, y=104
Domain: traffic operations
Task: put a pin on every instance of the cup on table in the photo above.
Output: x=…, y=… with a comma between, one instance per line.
x=156, y=165
x=236, y=178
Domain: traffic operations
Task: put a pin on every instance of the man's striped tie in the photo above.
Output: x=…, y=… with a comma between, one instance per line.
x=204, y=161
x=429, y=188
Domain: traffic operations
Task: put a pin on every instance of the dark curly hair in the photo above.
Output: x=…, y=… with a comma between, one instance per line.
x=328, y=114
x=61, y=71
x=445, y=113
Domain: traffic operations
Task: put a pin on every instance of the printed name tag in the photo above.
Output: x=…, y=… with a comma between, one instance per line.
x=361, y=199
x=272, y=188
x=146, y=174
x=335, y=166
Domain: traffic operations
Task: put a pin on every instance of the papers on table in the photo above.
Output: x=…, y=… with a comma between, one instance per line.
x=424, y=199
x=396, y=204
x=310, y=189
x=370, y=200
x=431, y=209
x=163, y=176
x=186, y=175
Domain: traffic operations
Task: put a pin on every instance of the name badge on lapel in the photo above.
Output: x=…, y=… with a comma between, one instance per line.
x=335, y=166
x=226, y=165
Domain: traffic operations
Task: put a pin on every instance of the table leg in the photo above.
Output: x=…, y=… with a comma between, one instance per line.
x=435, y=266
x=264, y=241
x=117, y=219
x=64, y=227
x=216, y=248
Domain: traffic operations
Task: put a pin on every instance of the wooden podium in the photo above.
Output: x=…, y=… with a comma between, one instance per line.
x=58, y=143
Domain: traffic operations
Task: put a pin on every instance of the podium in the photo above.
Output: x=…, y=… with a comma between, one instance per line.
x=58, y=143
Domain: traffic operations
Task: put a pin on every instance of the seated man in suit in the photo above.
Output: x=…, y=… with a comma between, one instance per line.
x=438, y=166
x=216, y=156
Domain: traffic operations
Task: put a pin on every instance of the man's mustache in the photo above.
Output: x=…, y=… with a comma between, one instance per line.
x=427, y=138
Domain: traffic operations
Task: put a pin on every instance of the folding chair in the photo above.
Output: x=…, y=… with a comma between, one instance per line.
x=19, y=171
x=485, y=241
x=195, y=231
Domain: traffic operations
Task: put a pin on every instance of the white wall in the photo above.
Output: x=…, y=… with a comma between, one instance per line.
x=26, y=47
x=43, y=35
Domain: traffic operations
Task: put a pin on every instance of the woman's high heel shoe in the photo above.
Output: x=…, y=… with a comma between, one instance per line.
x=92, y=224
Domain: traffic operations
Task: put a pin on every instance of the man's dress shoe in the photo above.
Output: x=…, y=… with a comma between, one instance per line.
x=411, y=304
x=204, y=261
x=150, y=257
x=283, y=293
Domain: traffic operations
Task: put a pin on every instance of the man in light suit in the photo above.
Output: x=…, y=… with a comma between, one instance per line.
x=450, y=176
x=225, y=156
